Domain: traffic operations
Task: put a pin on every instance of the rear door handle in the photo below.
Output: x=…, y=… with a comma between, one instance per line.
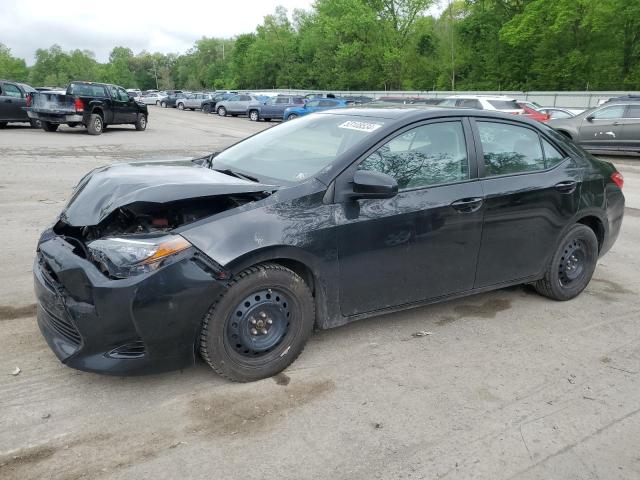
x=566, y=187
x=468, y=205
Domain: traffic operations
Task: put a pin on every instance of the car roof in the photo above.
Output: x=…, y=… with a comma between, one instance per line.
x=480, y=97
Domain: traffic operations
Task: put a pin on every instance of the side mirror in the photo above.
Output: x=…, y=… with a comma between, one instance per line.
x=590, y=118
x=370, y=184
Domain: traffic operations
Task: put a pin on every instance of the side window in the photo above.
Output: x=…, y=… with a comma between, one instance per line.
x=450, y=102
x=469, y=103
x=313, y=103
x=551, y=154
x=235, y=98
x=509, y=149
x=633, y=112
x=615, y=111
x=11, y=91
x=123, y=95
x=245, y=98
x=282, y=100
x=427, y=155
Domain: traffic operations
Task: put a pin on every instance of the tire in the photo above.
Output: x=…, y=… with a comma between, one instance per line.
x=3, y=124
x=234, y=115
x=571, y=266
x=35, y=123
x=49, y=127
x=237, y=347
x=267, y=119
x=206, y=108
x=163, y=104
x=192, y=109
x=73, y=124
x=254, y=116
x=95, y=125
x=292, y=116
x=141, y=122
x=181, y=106
x=222, y=111
x=157, y=103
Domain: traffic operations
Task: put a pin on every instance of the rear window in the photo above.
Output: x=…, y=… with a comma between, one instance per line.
x=87, y=90
x=504, y=104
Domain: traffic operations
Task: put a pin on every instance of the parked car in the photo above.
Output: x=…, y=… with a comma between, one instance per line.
x=483, y=102
x=313, y=106
x=13, y=102
x=273, y=108
x=555, y=112
x=235, y=105
x=94, y=105
x=192, y=101
x=209, y=106
x=153, y=98
x=170, y=100
x=612, y=127
x=357, y=99
x=532, y=113
x=135, y=93
x=316, y=223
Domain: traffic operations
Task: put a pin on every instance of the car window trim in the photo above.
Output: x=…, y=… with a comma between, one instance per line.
x=472, y=160
x=482, y=174
x=604, y=107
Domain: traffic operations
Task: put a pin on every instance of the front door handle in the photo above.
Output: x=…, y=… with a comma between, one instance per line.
x=567, y=187
x=468, y=205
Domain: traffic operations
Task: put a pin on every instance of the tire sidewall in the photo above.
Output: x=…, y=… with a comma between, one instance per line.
x=254, y=116
x=228, y=362
x=222, y=111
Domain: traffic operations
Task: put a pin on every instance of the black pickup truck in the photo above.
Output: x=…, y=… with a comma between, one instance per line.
x=94, y=105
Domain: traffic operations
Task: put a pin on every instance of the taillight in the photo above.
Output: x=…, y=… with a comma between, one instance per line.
x=28, y=100
x=79, y=105
x=618, y=179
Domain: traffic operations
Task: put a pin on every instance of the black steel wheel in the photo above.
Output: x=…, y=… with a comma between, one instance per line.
x=206, y=108
x=571, y=266
x=259, y=325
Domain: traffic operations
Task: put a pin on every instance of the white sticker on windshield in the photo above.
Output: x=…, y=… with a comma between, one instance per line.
x=360, y=126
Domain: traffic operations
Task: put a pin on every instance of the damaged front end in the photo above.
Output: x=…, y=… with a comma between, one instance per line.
x=118, y=290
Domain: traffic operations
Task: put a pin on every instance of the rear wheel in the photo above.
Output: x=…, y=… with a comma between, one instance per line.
x=3, y=124
x=292, y=116
x=163, y=104
x=254, y=116
x=35, y=123
x=49, y=127
x=259, y=325
x=206, y=108
x=95, y=125
x=141, y=122
x=222, y=111
x=571, y=266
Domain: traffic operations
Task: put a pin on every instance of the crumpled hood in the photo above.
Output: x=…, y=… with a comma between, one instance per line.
x=106, y=189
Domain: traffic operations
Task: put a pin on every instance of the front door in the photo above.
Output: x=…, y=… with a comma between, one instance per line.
x=12, y=103
x=422, y=243
x=630, y=136
x=531, y=190
x=602, y=128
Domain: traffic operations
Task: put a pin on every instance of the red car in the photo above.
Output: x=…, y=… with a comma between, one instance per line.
x=534, y=114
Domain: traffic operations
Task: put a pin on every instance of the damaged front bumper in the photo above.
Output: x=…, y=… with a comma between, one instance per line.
x=144, y=324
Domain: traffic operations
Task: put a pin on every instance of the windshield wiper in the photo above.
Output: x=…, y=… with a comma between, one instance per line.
x=233, y=173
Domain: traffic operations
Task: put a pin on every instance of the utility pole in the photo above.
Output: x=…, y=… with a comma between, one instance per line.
x=155, y=72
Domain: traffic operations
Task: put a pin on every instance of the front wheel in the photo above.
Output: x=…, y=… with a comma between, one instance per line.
x=571, y=266
x=254, y=116
x=163, y=104
x=206, y=108
x=34, y=122
x=259, y=325
x=292, y=116
x=141, y=122
x=3, y=124
x=222, y=111
x=181, y=106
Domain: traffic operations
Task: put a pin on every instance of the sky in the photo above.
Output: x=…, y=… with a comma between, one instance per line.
x=156, y=26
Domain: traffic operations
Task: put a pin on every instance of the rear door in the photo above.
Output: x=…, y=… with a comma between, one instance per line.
x=12, y=102
x=531, y=191
x=602, y=128
x=423, y=243
x=630, y=135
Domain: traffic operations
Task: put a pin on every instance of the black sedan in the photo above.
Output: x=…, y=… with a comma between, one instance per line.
x=334, y=217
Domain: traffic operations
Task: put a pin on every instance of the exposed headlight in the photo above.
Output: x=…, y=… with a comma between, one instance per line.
x=124, y=257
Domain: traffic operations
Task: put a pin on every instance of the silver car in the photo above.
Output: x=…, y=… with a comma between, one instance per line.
x=153, y=98
x=192, y=101
x=236, y=105
x=613, y=126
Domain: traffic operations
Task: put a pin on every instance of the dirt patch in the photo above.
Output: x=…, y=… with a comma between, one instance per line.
x=251, y=409
x=607, y=290
x=8, y=312
x=487, y=309
x=282, y=379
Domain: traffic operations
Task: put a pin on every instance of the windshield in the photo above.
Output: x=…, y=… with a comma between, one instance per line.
x=504, y=104
x=298, y=149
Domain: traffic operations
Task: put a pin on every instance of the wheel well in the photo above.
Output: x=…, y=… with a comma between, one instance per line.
x=595, y=224
x=98, y=111
x=299, y=268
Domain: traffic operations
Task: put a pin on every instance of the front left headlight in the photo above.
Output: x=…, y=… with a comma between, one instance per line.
x=122, y=257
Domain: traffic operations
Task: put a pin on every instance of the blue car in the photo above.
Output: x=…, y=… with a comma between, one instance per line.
x=313, y=106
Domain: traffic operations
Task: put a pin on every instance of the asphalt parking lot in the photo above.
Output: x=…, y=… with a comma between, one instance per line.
x=506, y=385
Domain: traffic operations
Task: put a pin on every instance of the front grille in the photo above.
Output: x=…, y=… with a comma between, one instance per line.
x=134, y=349
x=64, y=327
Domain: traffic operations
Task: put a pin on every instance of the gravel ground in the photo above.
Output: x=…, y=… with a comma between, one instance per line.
x=508, y=385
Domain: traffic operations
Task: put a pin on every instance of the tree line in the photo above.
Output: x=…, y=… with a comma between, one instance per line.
x=384, y=45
